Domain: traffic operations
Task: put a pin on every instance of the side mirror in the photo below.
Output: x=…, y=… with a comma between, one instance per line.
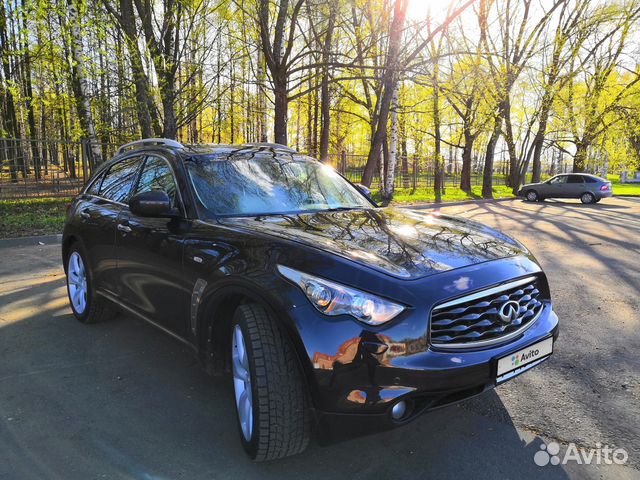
x=364, y=190
x=155, y=203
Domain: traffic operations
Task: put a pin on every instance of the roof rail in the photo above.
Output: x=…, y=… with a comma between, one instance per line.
x=279, y=146
x=149, y=142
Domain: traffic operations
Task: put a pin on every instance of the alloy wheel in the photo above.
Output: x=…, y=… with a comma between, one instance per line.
x=77, y=280
x=587, y=198
x=242, y=383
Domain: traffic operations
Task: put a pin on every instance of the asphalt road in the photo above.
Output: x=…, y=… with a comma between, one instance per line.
x=123, y=400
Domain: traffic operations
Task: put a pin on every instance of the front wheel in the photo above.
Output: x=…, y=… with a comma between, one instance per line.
x=587, y=198
x=532, y=196
x=271, y=400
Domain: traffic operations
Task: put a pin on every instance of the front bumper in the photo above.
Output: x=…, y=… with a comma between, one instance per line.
x=356, y=373
x=365, y=390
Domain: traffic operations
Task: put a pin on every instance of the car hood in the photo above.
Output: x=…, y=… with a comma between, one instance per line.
x=531, y=185
x=399, y=242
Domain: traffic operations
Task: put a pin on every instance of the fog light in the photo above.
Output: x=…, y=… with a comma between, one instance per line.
x=398, y=410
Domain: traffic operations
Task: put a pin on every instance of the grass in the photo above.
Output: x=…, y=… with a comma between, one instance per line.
x=44, y=216
x=37, y=216
x=452, y=194
x=626, y=189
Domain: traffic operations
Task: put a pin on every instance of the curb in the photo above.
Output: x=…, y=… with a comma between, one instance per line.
x=425, y=206
x=31, y=241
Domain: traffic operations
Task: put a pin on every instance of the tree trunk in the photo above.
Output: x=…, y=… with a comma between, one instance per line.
x=262, y=107
x=80, y=86
x=10, y=118
x=390, y=78
x=514, y=172
x=404, y=159
x=467, y=151
x=168, y=94
x=538, y=141
x=28, y=92
x=280, y=114
x=325, y=105
x=147, y=117
x=391, y=160
x=487, y=175
x=437, y=171
x=580, y=158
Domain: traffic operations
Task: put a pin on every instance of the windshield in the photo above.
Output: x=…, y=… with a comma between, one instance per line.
x=265, y=184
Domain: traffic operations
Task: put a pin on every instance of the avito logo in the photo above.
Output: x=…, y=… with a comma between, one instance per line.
x=518, y=359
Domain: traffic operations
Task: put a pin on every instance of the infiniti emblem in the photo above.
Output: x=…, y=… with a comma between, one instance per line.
x=509, y=311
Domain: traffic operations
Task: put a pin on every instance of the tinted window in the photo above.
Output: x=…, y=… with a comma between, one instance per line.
x=157, y=175
x=559, y=180
x=270, y=184
x=575, y=179
x=119, y=179
x=94, y=188
x=589, y=179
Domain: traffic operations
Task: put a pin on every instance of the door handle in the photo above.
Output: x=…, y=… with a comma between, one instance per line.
x=85, y=214
x=124, y=228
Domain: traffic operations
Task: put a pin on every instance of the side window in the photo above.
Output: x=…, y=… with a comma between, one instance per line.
x=589, y=179
x=118, y=181
x=157, y=175
x=575, y=179
x=94, y=187
x=559, y=180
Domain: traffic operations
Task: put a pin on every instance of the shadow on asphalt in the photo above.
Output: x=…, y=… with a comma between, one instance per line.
x=121, y=399
x=577, y=204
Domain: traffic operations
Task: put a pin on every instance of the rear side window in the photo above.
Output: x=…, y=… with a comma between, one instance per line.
x=589, y=179
x=157, y=175
x=575, y=179
x=118, y=181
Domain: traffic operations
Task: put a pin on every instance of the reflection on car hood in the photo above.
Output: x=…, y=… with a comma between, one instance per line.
x=399, y=242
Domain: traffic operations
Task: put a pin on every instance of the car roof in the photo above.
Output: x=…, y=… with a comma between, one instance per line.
x=223, y=149
x=582, y=174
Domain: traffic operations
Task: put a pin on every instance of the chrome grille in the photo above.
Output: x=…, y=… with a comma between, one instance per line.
x=474, y=320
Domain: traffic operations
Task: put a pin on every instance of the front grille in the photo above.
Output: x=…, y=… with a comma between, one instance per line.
x=475, y=320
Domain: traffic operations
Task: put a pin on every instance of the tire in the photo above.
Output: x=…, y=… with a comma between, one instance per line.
x=93, y=308
x=532, y=196
x=280, y=421
x=587, y=198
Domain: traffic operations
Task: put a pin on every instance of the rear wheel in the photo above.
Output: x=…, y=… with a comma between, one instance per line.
x=588, y=198
x=86, y=306
x=271, y=400
x=532, y=196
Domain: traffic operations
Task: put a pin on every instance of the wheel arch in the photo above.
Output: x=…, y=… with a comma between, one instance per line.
x=214, y=320
x=531, y=189
x=588, y=192
x=67, y=242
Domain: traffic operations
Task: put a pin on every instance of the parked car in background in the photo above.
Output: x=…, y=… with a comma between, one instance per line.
x=328, y=312
x=588, y=188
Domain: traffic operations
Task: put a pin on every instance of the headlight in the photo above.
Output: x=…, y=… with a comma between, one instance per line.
x=335, y=299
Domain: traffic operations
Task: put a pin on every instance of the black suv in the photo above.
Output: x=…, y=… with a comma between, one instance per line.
x=332, y=315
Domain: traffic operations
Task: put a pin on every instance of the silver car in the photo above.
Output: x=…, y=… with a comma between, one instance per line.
x=588, y=188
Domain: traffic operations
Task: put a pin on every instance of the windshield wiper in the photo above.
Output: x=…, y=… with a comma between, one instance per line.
x=341, y=209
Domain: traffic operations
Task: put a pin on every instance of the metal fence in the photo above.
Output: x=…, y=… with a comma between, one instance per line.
x=36, y=168
x=414, y=171
x=52, y=168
